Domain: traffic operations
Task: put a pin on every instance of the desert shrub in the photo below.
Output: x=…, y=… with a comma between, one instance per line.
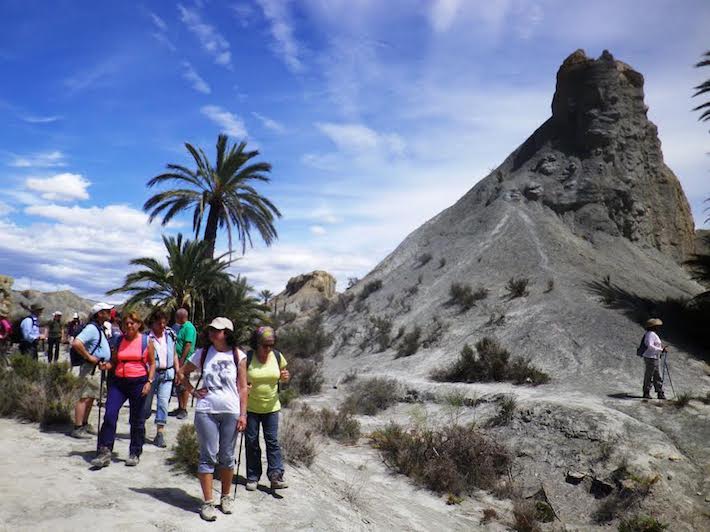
x=308, y=341
x=496, y=319
x=370, y=396
x=517, y=287
x=349, y=377
x=400, y=332
x=544, y=512
x=339, y=425
x=454, y=459
x=352, y=281
x=340, y=304
x=410, y=343
x=306, y=376
x=493, y=363
x=381, y=329
x=434, y=332
x=297, y=437
x=683, y=399
x=641, y=524
x=525, y=516
x=413, y=290
x=279, y=319
x=632, y=488
x=370, y=288
x=287, y=396
x=186, y=451
x=489, y=514
x=465, y=296
x=424, y=259
x=506, y=411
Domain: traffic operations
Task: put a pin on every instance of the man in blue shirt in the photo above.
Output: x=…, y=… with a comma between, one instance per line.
x=93, y=346
x=30, y=332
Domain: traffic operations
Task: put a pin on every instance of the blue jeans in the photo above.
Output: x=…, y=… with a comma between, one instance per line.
x=217, y=434
x=161, y=387
x=120, y=389
x=270, y=424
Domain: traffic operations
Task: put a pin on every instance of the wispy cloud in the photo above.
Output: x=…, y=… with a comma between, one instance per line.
x=60, y=187
x=49, y=159
x=159, y=22
x=161, y=30
x=244, y=13
x=35, y=119
x=358, y=138
x=92, y=77
x=191, y=75
x=285, y=44
x=442, y=13
x=211, y=40
x=317, y=230
x=230, y=123
x=270, y=123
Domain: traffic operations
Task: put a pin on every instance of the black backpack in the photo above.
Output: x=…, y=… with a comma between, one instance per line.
x=277, y=354
x=74, y=356
x=641, y=349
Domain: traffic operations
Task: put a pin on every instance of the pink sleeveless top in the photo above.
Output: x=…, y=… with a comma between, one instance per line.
x=131, y=362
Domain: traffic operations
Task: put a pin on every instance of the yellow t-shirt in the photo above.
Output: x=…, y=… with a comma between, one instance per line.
x=264, y=378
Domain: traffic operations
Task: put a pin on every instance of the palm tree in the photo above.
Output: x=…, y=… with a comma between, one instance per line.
x=703, y=88
x=236, y=300
x=189, y=278
x=223, y=191
x=266, y=295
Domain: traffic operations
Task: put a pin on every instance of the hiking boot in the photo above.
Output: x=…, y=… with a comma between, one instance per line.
x=252, y=485
x=226, y=504
x=207, y=512
x=133, y=460
x=159, y=440
x=80, y=433
x=278, y=483
x=103, y=458
x=182, y=414
x=175, y=412
x=89, y=428
x=661, y=395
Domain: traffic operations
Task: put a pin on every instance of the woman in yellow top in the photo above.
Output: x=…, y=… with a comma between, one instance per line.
x=265, y=368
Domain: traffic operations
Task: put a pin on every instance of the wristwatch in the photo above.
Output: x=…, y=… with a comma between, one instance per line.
x=150, y=381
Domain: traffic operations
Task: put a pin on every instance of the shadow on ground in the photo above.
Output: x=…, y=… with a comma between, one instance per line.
x=684, y=320
x=173, y=496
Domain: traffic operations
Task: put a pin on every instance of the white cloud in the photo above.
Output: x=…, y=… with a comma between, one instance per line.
x=442, y=13
x=229, y=123
x=5, y=208
x=94, y=76
x=60, y=187
x=358, y=138
x=211, y=40
x=191, y=75
x=244, y=13
x=34, y=119
x=270, y=123
x=159, y=22
x=111, y=217
x=164, y=40
x=50, y=159
x=318, y=230
x=285, y=44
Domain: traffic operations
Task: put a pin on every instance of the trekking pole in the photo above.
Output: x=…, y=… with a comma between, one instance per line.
x=668, y=371
x=239, y=461
x=101, y=393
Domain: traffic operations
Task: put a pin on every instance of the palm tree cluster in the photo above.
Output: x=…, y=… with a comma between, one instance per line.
x=193, y=277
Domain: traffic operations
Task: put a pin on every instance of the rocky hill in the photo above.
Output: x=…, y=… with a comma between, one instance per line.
x=65, y=301
x=305, y=292
x=586, y=213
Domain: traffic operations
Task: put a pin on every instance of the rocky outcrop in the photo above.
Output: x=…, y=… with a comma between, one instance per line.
x=64, y=301
x=305, y=292
x=597, y=162
x=5, y=295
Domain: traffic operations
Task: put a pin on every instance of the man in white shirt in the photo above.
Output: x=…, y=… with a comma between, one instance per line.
x=652, y=359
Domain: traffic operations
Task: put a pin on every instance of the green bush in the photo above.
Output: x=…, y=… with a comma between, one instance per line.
x=506, y=411
x=287, y=396
x=641, y=524
x=340, y=425
x=410, y=343
x=453, y=459
x=186, y=451
x=517, y=287
x=297, y=437
x=370, y=396
x=308, y=341
x=493, y=364
x=370, y=288
x=683, y=399
x=465, y=296
x=306, y=376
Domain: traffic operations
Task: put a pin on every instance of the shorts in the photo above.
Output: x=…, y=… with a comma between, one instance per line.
x=90, y=384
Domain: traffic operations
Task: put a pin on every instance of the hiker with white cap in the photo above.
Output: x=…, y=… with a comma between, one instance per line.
x=29, y=327
x=220, y=411
x=73, y=328
x=92, y=345
x=651, y=349
x=54, y=337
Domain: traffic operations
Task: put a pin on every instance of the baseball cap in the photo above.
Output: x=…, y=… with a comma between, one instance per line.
x=98, y=307
x=221, y=323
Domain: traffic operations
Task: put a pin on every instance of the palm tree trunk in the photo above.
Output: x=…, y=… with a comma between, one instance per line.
x=211, y=228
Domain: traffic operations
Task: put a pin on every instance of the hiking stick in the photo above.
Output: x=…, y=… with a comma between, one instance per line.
x=668, y=371
x=101, y=393
x=239, y=460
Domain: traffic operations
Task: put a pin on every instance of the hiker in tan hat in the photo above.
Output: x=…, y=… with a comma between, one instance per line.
x=651, y=349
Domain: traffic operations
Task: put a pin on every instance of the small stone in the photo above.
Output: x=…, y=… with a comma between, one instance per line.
x=675, y=458
x=669, y=476
x=575, y=477
x=707, y=499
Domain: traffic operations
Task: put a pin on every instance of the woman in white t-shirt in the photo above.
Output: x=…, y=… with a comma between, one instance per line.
x=220, y=411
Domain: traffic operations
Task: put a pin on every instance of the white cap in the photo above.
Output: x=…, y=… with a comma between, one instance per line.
x=75, y=316
x=221, y=323
x=98, y=307
x=57, y=313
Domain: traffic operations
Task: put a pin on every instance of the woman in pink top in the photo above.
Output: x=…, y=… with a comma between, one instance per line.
x=132, y=370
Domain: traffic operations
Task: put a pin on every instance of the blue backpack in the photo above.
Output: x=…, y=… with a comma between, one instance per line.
x=74, y=356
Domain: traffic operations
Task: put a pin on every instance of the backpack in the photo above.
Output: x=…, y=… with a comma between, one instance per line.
x=277, y=354
x=169, y=341
x=641, y=349
x=16, y=330
x=74, y=356
x=115, y=341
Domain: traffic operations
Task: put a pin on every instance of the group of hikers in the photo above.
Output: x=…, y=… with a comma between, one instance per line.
x=237, y=391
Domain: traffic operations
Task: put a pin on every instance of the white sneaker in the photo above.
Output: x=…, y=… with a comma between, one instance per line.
x=252, y=485
x=207, y=512
x=226, y=504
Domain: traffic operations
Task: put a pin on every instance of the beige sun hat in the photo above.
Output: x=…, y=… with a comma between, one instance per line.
x=653, y=322
x=221, y=323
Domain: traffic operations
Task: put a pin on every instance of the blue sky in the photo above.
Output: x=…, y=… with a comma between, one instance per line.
x=375, y=115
